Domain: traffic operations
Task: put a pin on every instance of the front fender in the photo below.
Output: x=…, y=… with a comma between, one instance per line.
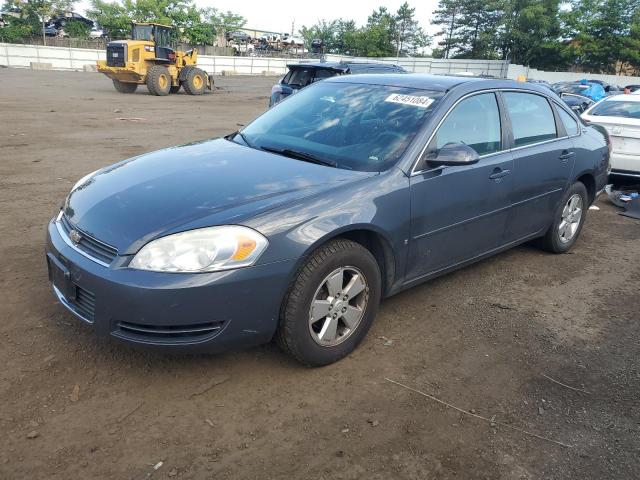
x=378, y=204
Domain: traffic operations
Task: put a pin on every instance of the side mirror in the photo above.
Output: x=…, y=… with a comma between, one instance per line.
x=453, y=154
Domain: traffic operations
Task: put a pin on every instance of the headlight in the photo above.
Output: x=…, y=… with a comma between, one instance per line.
x=203, y=250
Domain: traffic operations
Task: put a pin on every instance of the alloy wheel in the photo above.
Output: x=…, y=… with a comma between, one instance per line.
x=338, y=306
x=571, y=216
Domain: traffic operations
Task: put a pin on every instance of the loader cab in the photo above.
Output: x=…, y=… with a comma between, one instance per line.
x=162, y=37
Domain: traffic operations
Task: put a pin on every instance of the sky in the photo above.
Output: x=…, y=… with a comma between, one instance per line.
x=278, y=17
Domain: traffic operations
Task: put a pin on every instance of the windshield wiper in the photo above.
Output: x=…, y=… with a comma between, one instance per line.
x=306, y=157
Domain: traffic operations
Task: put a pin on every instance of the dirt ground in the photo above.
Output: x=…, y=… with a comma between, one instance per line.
x=487, y=339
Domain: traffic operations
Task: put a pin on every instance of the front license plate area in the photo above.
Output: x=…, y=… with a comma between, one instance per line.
x=60, y=277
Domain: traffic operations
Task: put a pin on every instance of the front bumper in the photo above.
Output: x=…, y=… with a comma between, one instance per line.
x=206, y=312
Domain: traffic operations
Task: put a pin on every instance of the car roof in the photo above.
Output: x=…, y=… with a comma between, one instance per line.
x=443, y=83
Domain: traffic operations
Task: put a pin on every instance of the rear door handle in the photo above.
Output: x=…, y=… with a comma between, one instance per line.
x=566, y=155
x=499, y=173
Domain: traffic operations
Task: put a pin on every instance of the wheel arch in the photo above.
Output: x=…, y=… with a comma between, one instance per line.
x=589, y=181
x=371, y=238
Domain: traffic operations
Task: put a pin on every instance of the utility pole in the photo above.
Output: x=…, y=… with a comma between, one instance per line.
x=292, y=26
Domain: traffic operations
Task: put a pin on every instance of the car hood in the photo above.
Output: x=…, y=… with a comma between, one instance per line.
x=207, y=183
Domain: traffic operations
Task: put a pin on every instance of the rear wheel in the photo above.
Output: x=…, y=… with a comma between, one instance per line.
x=195, y=81
x=124, y=87
x=331, y=304
x=568, y=220
x=175, y=88
x=159, y=80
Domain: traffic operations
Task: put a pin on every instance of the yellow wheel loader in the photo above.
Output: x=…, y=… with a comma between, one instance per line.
x=148, y=59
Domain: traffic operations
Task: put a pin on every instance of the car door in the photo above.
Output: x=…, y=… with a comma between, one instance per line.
x=460, y=212
x=543, y=157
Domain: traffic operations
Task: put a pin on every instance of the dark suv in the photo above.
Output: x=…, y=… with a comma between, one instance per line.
x=302, y=74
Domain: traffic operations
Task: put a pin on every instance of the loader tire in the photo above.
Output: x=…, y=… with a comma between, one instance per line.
x=159, y=80
x=124, y=87
x=195, y=81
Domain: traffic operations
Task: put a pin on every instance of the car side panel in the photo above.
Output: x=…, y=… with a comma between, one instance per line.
x=592, y=156
x=541, y=174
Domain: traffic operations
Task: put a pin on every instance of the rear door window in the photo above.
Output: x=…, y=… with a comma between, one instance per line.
x=475, y=121
x=570, y=124
x=532, y=119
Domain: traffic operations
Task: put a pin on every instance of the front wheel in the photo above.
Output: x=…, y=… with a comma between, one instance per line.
x=331, y=304
x=195, y=81
x=568, y=220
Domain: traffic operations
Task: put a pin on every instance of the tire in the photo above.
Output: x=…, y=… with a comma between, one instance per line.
x=195, y=81
x=300, y=331
x=554, y=240
x=124, y=87
x=159, y=80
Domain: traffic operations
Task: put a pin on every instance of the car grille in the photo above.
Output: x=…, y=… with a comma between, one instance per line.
x=85, y=303
x=168, y=333
x=93, y=248
x=116, y=55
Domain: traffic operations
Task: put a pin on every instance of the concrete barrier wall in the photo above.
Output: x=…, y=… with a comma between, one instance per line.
x=62, y=58
x=552, y=77
x=496, y=68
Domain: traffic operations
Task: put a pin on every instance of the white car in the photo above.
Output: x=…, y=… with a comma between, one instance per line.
x=620, y=115
x=292, y=40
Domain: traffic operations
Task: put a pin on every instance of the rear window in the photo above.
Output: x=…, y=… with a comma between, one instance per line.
x=532, y=119
x=617, y=108
x=299, y=77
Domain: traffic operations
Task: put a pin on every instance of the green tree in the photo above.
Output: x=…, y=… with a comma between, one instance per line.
x=196, y=26
x=324, y=30
x=375, y=39
x=530, y=32
x=600, y=32
x=77, y=29
x=630, y=53
x=113, y=17
x=407, y=34
x=478, y=27
x=447, y=17
x=34, y=14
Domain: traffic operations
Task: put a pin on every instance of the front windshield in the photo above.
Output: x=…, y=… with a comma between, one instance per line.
x=617, y=108
x=354, y=126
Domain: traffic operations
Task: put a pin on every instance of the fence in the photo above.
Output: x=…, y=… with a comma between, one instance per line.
x=61, y=58
x=496, y=68
x=516, y=71
x=13, y=55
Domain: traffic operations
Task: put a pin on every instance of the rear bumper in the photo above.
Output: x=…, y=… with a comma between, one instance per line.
x=210, y=312
x=622, y=162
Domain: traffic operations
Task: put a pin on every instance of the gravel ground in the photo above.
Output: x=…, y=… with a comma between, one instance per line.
x=487, y=339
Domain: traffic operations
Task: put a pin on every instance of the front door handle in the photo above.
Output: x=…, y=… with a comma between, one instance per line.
x=566, y=155
x=499, y=173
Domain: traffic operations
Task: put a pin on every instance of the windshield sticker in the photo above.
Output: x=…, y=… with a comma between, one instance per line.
x=422, y=102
